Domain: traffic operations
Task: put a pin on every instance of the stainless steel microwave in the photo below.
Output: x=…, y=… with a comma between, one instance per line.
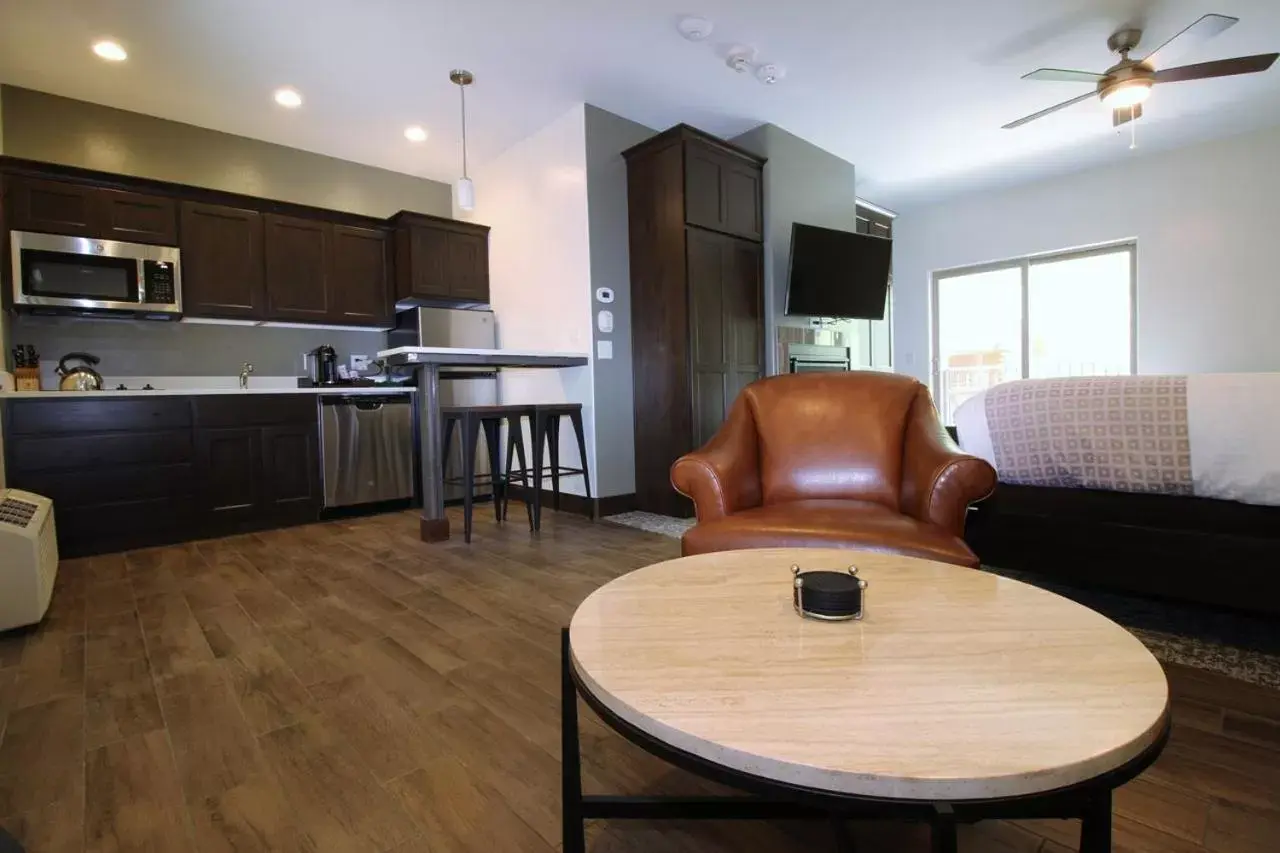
x=82, y=275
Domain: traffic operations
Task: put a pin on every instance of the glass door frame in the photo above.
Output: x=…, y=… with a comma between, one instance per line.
x=1024, y=265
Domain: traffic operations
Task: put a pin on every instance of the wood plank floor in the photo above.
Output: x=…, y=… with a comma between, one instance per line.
x=344, y=687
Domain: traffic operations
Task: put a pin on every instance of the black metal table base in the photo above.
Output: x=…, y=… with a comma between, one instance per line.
x=9, y=844
x=767, y=799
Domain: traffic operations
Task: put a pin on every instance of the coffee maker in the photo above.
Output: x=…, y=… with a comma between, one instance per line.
x=323, y=365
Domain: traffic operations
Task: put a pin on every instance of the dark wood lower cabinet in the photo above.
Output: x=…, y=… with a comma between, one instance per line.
x=291, y=470
x=229, y=470
x=130, y=473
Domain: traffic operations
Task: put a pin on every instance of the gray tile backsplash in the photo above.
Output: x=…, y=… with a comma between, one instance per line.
x=157, y=348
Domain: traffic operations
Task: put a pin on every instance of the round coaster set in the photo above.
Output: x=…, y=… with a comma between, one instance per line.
x=829, y=596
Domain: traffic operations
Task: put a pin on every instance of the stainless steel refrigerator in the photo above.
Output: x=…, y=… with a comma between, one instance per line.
x=456, y=327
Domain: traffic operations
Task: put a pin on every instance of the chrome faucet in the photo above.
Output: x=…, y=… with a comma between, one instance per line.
x=245, y=370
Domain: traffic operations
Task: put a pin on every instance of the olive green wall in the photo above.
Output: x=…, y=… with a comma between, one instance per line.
x=75, y=133
x=44, y=127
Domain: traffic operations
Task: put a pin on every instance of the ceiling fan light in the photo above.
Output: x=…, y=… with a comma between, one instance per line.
x=1130, y=93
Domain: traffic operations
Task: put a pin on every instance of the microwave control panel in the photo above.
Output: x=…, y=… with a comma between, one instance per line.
x=158, y=277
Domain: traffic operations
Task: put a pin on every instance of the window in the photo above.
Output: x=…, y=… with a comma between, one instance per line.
x=1065, y=314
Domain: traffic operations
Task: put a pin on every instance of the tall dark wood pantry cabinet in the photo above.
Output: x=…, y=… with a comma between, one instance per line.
x=696, y=219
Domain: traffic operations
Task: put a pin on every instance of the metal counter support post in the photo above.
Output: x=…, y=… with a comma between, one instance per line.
x=434, y=525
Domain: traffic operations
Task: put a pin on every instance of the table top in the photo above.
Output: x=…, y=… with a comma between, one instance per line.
x=956, y=685
x=470, y=357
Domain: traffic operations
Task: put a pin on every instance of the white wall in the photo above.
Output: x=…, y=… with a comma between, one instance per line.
x=534, y=198
x=1208, y=255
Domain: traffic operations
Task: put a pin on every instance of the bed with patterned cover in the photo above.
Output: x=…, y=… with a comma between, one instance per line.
x=1202, y=435
x=1157, y=485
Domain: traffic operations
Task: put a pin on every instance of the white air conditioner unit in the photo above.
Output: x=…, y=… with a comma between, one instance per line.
x=28, y=557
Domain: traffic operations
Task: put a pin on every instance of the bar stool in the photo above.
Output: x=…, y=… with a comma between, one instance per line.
x=546, y=431
x=471, y=420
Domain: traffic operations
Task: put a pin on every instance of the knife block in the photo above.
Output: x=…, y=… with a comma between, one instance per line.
x=26, y=379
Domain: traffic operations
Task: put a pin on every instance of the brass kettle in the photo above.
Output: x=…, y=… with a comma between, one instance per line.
x=82, y=377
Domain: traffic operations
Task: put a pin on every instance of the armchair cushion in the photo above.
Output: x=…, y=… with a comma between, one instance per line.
x=863, y=525
x=822, y=436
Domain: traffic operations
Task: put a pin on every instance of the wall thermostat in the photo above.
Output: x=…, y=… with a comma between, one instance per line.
x=604, y=294
x=604, y=321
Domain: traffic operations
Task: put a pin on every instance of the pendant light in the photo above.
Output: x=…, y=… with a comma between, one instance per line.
x=464, y=192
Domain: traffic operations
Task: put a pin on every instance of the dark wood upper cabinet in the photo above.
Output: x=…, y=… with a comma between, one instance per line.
x=722, y=189
x=422, y=255
x=52, y=207
x=222, y=263
x=359, y=286
x=80, y=210
x=257, y=259
x=703, y=187
x=697, y=330
x=468, y=267
x=440, y=261
x=743, y=204
x=137, y=218
x=297, y=268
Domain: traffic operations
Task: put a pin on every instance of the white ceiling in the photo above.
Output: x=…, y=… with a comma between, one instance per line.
x=913, y=92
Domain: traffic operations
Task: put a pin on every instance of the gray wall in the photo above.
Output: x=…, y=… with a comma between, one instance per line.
x=607, y=136
x=156, y=348
x=75, y=133
x=802, y=183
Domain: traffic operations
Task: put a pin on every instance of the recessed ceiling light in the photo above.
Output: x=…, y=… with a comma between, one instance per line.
x=416, y=133
x=110, y=51
x=287, y=97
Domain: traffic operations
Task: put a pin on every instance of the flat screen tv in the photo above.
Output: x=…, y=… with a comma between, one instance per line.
x=837, y=273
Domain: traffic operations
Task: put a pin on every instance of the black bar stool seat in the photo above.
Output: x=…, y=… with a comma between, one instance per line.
x=546, y=434
x=471, y=420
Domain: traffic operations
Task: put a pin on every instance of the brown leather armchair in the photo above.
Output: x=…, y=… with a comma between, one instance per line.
x=857, y=460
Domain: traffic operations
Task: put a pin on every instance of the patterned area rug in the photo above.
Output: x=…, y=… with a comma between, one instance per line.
x=1234, y=644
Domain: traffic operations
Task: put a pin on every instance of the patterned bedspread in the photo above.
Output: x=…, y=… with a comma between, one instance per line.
x=1125, y=433
x=1208, y=435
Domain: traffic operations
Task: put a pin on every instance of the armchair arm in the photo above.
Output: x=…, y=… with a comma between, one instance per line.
x=938, y=480
x=723, y=477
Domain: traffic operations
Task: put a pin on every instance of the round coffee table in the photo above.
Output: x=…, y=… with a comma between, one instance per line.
x=959, y=696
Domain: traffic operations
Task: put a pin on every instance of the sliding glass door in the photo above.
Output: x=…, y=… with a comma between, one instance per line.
x=1064, y=314
x=978, y=334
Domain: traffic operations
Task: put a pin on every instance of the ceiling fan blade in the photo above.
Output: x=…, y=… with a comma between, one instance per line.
x=1063, y=75
x=1053, y=109
x=1218, y=68
x=1124, y=115
x=1190, y=38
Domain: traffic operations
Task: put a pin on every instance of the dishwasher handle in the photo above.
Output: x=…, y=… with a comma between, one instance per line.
x=364, y=402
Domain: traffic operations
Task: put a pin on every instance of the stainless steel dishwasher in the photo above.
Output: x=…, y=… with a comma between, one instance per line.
x=366, y=448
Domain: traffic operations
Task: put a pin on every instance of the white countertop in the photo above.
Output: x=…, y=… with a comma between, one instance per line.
x=518, y=353
x=187, y=392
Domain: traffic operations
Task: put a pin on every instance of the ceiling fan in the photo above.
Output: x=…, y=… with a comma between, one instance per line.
x=1125, y=85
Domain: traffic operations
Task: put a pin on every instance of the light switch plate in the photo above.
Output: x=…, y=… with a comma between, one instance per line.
x=604, y=349
x=604, y=321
